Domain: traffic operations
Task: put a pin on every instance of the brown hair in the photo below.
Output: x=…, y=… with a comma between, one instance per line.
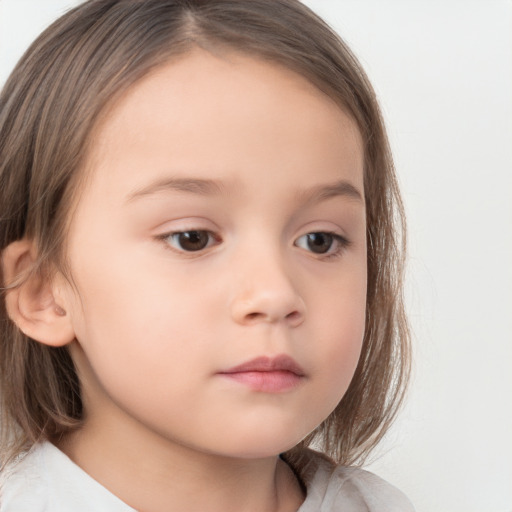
x=48, y=109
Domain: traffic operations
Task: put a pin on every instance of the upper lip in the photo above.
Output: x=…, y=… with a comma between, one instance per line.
x=268, y=364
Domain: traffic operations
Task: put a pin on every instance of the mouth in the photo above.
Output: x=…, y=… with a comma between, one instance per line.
x=266, y=374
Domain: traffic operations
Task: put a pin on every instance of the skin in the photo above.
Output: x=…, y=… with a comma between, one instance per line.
x=153, y=324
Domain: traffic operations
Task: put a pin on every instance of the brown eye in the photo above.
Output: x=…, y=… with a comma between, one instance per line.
x=322, y=243
x=190, y=241
x=319, y=243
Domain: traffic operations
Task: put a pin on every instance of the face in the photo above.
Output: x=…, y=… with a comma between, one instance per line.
x=218, y=253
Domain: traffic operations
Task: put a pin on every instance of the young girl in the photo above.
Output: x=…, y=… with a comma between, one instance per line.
x=201, y=241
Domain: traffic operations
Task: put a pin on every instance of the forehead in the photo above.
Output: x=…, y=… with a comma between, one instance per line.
x=228, y=114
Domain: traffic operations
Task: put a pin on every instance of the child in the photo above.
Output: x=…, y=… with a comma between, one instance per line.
x=201, y=264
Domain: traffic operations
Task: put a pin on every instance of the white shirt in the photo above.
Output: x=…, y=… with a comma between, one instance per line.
x=46, y=480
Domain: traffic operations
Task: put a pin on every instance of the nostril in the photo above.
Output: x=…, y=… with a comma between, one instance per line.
x=253, y=316
x=294, y=316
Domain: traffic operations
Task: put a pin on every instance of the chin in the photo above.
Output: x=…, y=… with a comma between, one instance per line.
x=257, y=445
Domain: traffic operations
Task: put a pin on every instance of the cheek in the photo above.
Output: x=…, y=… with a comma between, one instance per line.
x=128, y=314
x=135, y=320
x=339, y=334
x=140, y=348
x=340, y=353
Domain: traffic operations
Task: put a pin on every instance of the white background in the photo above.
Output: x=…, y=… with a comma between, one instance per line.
x=443, y=72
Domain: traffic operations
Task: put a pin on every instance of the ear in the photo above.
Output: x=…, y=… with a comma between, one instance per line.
x=31, y=304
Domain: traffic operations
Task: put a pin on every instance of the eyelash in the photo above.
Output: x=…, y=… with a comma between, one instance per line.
x=341, y=242
x=166, y=237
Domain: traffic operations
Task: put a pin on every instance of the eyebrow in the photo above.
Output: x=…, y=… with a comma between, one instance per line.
x=341, y=188
x=207, y=187
x=204, y=187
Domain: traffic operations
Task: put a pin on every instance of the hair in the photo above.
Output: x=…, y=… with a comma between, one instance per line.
x=48, y=110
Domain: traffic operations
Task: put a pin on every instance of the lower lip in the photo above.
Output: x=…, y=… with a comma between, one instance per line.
x=268, y=382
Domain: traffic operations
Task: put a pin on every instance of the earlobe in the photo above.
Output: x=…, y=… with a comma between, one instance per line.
x=30, y=300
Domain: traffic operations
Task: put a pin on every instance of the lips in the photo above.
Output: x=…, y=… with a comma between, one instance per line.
x=266, y=374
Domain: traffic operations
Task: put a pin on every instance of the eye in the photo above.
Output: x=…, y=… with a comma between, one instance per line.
x=322, y=243
x=190, y=241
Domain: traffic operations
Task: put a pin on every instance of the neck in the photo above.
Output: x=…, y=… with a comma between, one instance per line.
x=148, y=473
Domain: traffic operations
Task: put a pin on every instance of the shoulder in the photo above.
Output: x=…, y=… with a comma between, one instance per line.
x=46, y=480
x=21, y=484
x=332, y=488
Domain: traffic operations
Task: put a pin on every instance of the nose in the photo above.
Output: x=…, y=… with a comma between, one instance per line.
x=264, y=293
